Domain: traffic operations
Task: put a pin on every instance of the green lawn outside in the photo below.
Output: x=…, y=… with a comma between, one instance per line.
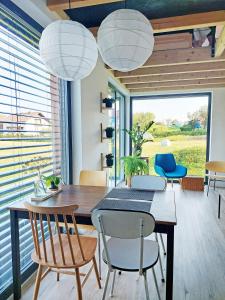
x=189, y=151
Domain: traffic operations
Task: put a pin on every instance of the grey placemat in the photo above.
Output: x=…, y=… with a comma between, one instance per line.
x=130, y=194
x=119, y=204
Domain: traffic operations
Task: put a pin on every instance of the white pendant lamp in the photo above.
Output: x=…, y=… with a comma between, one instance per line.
x=68, y=49
x=125, y=39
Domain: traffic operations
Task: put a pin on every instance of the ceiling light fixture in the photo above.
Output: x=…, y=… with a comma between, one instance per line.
x=68, y=49
x=125, y=40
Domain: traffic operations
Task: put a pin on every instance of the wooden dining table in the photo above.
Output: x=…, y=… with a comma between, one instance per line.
x=163, y=208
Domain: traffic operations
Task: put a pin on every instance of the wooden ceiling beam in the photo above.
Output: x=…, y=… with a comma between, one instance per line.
x=173, y=77
x=173, y=41
x=199, y=20
x=175, y=69
x=220, y=43
x=56, y=5
x=200, y=82
x=181, y=56
x=177, y=88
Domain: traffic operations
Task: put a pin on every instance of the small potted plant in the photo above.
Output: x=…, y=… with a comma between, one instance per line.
x=108, y=102
x=109, y=160
x=109, y=132
x=134, y=165
x=52, y=182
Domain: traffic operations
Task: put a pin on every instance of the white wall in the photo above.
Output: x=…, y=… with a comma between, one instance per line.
x=91, y=117
x=217, y=142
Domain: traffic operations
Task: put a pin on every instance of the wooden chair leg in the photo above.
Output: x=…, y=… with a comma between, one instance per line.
x=79, y=288
x=57, y=276
x=96, y=272
x=37, y=282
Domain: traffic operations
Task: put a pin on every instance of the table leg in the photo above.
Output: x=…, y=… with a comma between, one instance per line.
x=14, y=221
x=219, y=206
x=169, y=267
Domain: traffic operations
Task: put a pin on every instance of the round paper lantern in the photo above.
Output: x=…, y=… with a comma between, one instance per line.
x=125, y=39
x=68, y=49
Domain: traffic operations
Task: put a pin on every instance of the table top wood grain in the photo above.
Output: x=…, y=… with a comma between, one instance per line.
x=163, y=206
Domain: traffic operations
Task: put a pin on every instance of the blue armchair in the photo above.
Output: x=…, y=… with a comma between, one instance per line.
x=165, y=165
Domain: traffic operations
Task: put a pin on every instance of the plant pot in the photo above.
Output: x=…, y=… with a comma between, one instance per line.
x=53, y=187
x=109, y=132
x=108, y=102
x=109, y=162
x=128, y=181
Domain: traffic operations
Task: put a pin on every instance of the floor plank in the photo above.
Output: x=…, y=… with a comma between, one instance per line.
x=199, y=264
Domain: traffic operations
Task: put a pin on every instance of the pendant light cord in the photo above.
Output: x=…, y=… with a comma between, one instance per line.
x=69, y=4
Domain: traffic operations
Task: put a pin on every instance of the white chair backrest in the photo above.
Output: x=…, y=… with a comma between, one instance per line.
x=123, y=224
x=148, y=182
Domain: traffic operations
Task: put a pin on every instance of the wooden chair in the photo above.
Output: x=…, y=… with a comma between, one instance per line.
x=215, y=167
x=60, y=252
x=92, y=178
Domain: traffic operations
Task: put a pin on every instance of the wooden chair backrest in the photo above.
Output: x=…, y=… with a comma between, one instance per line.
x=38, y=215
x=93, y=178
x=215, y=166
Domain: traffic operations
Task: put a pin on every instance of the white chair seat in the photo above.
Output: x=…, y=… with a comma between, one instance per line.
x=121, y=260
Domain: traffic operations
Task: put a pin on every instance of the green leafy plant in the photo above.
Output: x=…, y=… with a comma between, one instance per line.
x=139, y=137
x=51, y=180
x=134, y=165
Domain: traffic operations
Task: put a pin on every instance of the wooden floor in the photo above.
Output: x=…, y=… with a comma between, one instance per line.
x=199, y=264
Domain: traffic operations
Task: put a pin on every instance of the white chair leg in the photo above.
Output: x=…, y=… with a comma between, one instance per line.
x=160, y=261
x=208, y=186
x=161, y=268
x=99, y=256
x=156, y=284
x=163, y=245
x=146, y=285
x=113, y=283
x=106, y=285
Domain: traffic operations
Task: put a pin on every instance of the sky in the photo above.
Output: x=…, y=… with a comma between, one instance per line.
x=170, y=108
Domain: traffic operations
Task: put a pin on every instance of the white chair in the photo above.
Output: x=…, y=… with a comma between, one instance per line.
x=154, y=183
x=126, y=249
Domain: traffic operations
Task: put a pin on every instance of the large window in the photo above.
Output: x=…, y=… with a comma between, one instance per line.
x=181, y=127
x=29, y=129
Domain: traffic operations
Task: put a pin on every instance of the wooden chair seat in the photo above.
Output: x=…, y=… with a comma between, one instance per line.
x=88, y=244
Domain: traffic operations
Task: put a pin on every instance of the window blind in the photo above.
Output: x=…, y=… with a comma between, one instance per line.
x=29, y=129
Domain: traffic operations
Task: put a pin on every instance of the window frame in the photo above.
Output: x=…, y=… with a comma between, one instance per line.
x=175, y=95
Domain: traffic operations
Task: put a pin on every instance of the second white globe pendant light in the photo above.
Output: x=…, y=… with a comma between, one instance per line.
x=125, y=40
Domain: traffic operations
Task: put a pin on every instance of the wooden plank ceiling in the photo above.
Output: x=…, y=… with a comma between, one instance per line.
x=174, y=64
